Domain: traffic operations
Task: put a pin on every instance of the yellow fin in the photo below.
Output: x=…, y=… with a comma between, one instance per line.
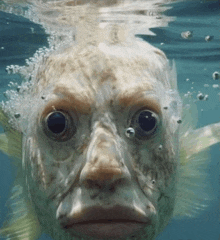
x=23, y=223
x=3, y=143
x=192, y=188
x=11, y=140
x=198, y=140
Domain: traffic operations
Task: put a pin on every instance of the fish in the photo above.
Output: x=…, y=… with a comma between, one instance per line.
x=105, y=147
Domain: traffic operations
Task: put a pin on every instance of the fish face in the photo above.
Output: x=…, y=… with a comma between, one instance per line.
x=101, y=153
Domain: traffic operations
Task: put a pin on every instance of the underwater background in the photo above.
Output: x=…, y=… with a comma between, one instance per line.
x=196, y=60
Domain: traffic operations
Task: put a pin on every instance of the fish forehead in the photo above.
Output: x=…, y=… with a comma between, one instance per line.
x=95, y=76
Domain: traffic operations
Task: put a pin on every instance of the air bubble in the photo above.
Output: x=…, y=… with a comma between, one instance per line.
x=215, y=86
x=17, y=115
x=200, y=96
x=187, y=35
x=130, y=132
x=209, y=38
x=216, y=75
x=160, y=147
x=12, y=69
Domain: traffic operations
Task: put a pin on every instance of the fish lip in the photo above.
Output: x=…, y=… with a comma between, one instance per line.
x=103, y=221
x=116, y=214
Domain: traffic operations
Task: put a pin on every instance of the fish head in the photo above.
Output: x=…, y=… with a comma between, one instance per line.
x=101, y=146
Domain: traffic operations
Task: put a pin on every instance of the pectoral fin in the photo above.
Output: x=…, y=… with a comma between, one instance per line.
x=23, y=223
x=193, y=191
x=11, y=140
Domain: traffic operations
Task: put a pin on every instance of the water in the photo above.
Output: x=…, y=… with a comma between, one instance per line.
x=196, y=60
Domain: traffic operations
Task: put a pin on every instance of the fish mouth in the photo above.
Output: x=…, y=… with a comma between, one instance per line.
x=104, y=223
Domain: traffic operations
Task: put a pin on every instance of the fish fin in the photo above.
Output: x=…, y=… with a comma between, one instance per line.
x=4, y=143
x=204, y=138
x=193, y=192
x=11, y=140
x=23, y=223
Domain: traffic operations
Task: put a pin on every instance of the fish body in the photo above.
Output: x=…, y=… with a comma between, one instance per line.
x=103, y=152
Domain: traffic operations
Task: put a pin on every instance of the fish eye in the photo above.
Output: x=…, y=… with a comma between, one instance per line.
x=59, y=126
x=145, y=123
x=56, y=122
x=147, y=120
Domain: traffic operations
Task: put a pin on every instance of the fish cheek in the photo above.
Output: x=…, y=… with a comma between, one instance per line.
x=156, y=174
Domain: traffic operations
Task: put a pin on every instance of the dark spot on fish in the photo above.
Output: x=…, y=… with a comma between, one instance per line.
x=107, y=75
x=179, y=121
x=63, y=65
x=165, y=108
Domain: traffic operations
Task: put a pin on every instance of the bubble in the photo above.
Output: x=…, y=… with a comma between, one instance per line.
x=12, y=69
x=209, y=38
x=17, y=115
x=160, y=147
x=216, y=75
x=18, y=88
x=130, y=132
x=200, y=96
x=206, y=97
x=206, y=85
x=187, y=34
x=215, y=86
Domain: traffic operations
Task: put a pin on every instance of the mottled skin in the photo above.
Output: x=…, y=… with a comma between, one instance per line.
x=95, y=167
x=104, y=176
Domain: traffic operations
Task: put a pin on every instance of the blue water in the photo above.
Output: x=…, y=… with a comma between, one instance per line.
x=196, y=60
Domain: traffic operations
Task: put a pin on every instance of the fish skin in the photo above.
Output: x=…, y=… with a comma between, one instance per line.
x=52, y=174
